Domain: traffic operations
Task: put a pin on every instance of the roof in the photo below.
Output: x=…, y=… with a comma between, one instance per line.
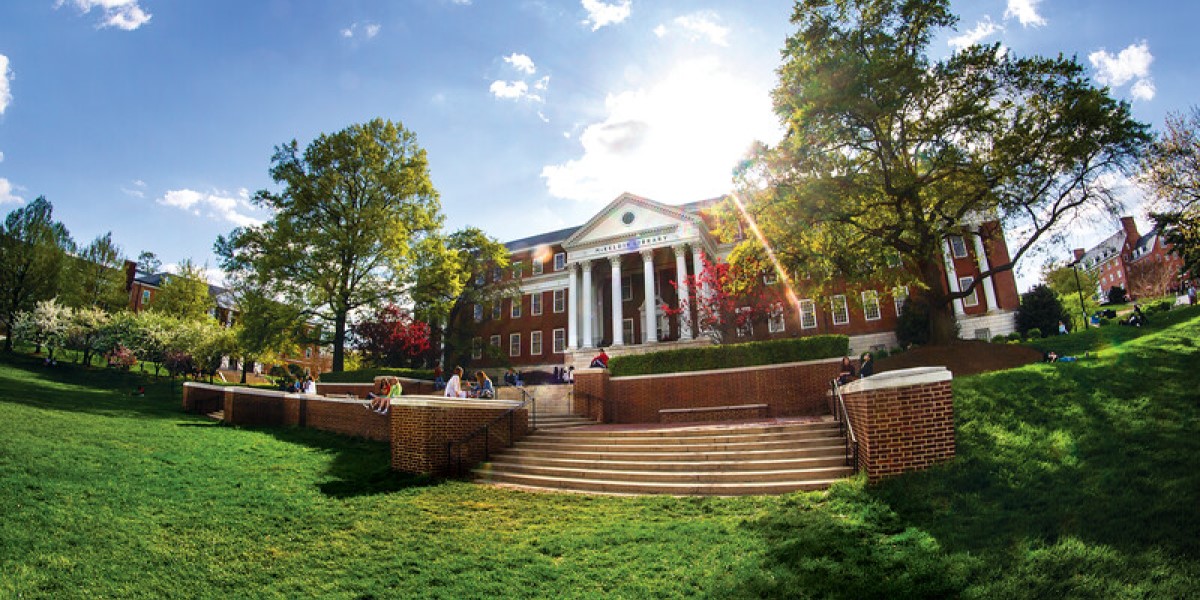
x=541, y=239
x=1104, y=250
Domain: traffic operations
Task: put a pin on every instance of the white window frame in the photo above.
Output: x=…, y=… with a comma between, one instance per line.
x=775, y=321
x=514, y=309
x=476, y=348
x=870, y=300
x=535, y=304
x=145, y=296
x=845, y=310
x=497, y=274
x=560, y=261
x=627, y=330
x=560, y=341
x=770, y=277
x=899, y=297
x=514, y=344
x=959, y=249
x=497, y=310
x=626, y=297
x=535, y=343
x=537, y=266
x=808, y=313
x=494, y=341
x=746, y=329
x=973, y=299
x=518, y=270
x=478, y=313
x=560, y=301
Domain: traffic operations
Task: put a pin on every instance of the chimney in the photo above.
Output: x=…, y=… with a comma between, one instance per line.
x=1078, y=252
x=130, y=273
x=1131, y=232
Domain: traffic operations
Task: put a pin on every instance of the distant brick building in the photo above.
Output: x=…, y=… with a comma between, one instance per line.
x=576, y=283
x=1142, y=265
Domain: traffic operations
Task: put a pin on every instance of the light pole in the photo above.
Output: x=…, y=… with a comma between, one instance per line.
x=1079, y=289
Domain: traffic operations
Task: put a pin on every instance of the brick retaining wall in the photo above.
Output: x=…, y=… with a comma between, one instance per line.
x=904, y=420
x=421, y=429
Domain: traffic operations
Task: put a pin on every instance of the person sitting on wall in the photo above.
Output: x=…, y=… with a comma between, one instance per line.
x=439, y=382
x=601, y=360
x=483, y=386
x=571, y=374
x=866, y=365
x=381, y=403
x=454, y=386
x=510, y=377
x=846, y=373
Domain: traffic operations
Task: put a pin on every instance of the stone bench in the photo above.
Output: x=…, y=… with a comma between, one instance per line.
x=739, y=412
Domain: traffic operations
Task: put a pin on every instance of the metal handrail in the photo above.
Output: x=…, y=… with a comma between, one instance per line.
x=485, y=429
x=845, y=427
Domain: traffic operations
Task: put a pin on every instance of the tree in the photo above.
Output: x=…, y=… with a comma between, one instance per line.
x=721, y=300
x=45, y=325
x=354, y=206
x=391, y=337
x=1041, y=310
x=888, y=153
x=1075, y=287
x=33, y=247
x=269, y=329
x=148, y=262
x=95, y=277
x=1171, y=171
x=185, y=294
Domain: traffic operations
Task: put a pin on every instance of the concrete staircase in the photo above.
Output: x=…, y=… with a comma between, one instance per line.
x=718, y=460
x=559, y=421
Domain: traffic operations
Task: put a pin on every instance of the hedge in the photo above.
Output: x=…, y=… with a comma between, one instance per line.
x=369, y=375
x=731, y=355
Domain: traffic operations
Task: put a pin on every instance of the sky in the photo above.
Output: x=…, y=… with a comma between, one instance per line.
x=156, y=119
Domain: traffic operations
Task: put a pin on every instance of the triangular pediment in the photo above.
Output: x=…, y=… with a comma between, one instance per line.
x=630, y=216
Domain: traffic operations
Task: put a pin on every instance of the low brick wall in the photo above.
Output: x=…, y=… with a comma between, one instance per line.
x=904, y=420
x=788, y=390
x=202, y=398
x=412, y=387
x=254, y=407
x=745, y=412
x=421, y=428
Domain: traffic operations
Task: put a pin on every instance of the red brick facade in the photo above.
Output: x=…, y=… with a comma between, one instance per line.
x=421, y=433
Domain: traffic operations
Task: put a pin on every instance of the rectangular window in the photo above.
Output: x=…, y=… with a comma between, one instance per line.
x=745, y=328
x=535, y=343
x=515, y=311
x=497, y=274
x=518, y=270
x=478, y=313
x=776, y=324
x=514, y=344
x=560, y=341
x=770, y=277
x=560, y=261
x=535, y=304
x=537, y=266
x=870, y=300
x=496, y=310
x=560, y=300
x=494, y=342
x=973, y=299
x=899, y=297
x=627, y=288
x=145, y=296
x=958, y=246
x=841, y=311
x=808, y=314
x=627, y=330
x=476, y=348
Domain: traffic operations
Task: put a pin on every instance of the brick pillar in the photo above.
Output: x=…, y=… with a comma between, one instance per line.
x=591, y=392
x=904, y=420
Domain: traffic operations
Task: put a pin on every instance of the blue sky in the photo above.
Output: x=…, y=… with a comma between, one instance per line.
x=156, y=118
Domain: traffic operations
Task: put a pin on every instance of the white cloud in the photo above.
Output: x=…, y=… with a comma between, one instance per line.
x=676, y=141
x=8, y=192
x=5, y=90
x=122, y=14
x=699, y=25
x=364, y=29
x=1025, y=11
x=216, y=205
x=603, y=13
x=137, y=189
x=512, y=90
x=983, y=30
x=521, y=63
x=1, y=157
x=1131, y=64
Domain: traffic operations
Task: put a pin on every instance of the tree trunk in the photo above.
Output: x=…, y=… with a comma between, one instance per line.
x=8, y=345
x=943, y=325
x=339, y=342
x=245, y=368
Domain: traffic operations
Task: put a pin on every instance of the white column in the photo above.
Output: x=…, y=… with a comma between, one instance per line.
x=618, y=316
x=989, y=290
x=702, y=292
x=587, y=303
x=952, y=277
x=572, y=312
x=651, y=299
x=681, y=290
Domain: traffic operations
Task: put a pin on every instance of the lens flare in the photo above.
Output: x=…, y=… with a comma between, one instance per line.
x=762, y=239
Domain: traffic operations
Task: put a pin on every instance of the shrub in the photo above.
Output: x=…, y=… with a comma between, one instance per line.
x=1035, y=333
x=1014, y=336
x=731, y=355
x=1104, y=321
x=1040, y=310
x=999, y=339
x=912, y=326
x=369, y=375
x=1116, y=295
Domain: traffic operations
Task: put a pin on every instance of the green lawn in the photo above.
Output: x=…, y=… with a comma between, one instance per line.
x=1073, y=480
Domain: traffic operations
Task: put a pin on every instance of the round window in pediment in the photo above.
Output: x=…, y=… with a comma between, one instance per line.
x=627, y=218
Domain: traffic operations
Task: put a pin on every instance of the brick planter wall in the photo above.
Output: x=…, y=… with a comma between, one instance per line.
x=788, y=390
x=202, y=398
x=422, y=427
x=252, y=407
x=904, y=420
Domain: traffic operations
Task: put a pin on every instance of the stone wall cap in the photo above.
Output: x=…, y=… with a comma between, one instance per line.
x=443, y=402
x=901, y=378
x=802, y=363
x=204, y=386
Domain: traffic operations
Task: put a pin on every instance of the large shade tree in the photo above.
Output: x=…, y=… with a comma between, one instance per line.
x=1171, y=170
x=353, y=207
x=33, y=248
x=96, y=277
x=185, y=295
x=889, y=152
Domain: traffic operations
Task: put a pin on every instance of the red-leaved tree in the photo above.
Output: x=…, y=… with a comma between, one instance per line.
x=721, y=302
x=391, y=337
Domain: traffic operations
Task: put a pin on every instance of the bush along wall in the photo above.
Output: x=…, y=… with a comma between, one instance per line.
x=369, y=375
x=731, y=355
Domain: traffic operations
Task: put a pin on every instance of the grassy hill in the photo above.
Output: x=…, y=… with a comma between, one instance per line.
x=1073, y=480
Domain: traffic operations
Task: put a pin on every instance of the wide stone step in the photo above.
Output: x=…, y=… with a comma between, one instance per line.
x=518, y=462
x=708, y=431
x=672, y=477
x=667, y=455
x=618, y=487
x=730, y=437
x=533, y=443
